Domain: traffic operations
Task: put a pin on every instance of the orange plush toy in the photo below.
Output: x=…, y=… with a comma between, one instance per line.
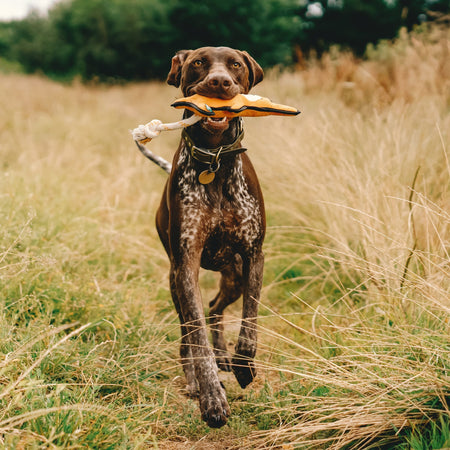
x=241, y=105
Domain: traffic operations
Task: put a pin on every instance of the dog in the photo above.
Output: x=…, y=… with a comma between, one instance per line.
x=212, y=216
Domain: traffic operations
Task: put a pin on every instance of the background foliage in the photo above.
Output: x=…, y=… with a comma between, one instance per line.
x=132, y=39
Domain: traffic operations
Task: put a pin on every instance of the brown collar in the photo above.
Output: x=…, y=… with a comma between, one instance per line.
x=214, y=155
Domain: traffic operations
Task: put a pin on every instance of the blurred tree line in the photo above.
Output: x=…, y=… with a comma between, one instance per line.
x=135, y=39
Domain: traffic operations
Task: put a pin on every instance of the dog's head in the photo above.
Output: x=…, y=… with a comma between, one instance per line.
x=217, y=72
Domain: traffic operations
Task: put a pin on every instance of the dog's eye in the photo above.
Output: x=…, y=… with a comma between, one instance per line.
x=198, y=62
x=237, y=64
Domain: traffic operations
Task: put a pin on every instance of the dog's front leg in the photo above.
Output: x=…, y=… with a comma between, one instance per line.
x=213, y=403
x=242, y=363
x=185, y=349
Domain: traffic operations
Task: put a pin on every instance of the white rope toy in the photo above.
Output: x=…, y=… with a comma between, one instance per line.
x=145, y=133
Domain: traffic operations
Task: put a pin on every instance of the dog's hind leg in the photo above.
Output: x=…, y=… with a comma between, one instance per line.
x=230, y=290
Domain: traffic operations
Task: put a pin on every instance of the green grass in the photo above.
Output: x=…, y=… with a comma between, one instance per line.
x=434, y=436
x=354, y=319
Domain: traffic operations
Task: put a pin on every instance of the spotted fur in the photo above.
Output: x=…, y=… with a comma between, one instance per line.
x=219, y=226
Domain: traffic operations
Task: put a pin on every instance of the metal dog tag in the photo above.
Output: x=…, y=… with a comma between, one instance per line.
x=206, y=177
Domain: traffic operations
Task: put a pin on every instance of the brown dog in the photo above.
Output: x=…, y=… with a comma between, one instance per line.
x=218, y=225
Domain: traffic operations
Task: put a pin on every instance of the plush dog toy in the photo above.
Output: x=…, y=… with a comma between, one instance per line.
x=241, y=105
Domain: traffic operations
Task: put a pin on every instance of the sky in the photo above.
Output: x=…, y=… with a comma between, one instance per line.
x=18, y=9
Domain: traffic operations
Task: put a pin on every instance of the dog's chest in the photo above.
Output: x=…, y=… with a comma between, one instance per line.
x=223, y=214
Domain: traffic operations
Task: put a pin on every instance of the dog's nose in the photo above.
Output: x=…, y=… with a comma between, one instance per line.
x=220, y=81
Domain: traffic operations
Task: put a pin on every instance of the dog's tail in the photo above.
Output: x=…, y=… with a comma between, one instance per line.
x=161, y=162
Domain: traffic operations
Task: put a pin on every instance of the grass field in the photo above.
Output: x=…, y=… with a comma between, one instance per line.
x=354, y=348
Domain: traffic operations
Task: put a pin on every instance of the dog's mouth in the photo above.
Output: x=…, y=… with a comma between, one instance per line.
x=215, y=124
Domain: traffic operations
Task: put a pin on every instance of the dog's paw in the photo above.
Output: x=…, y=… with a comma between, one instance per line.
x=214, y=408
x=244, y=370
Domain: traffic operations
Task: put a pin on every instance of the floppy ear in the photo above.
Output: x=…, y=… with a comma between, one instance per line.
x=256, y=74
x=174, y=76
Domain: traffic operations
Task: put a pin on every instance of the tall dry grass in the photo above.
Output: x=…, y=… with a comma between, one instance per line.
x=354, y=330
x=365, y=178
